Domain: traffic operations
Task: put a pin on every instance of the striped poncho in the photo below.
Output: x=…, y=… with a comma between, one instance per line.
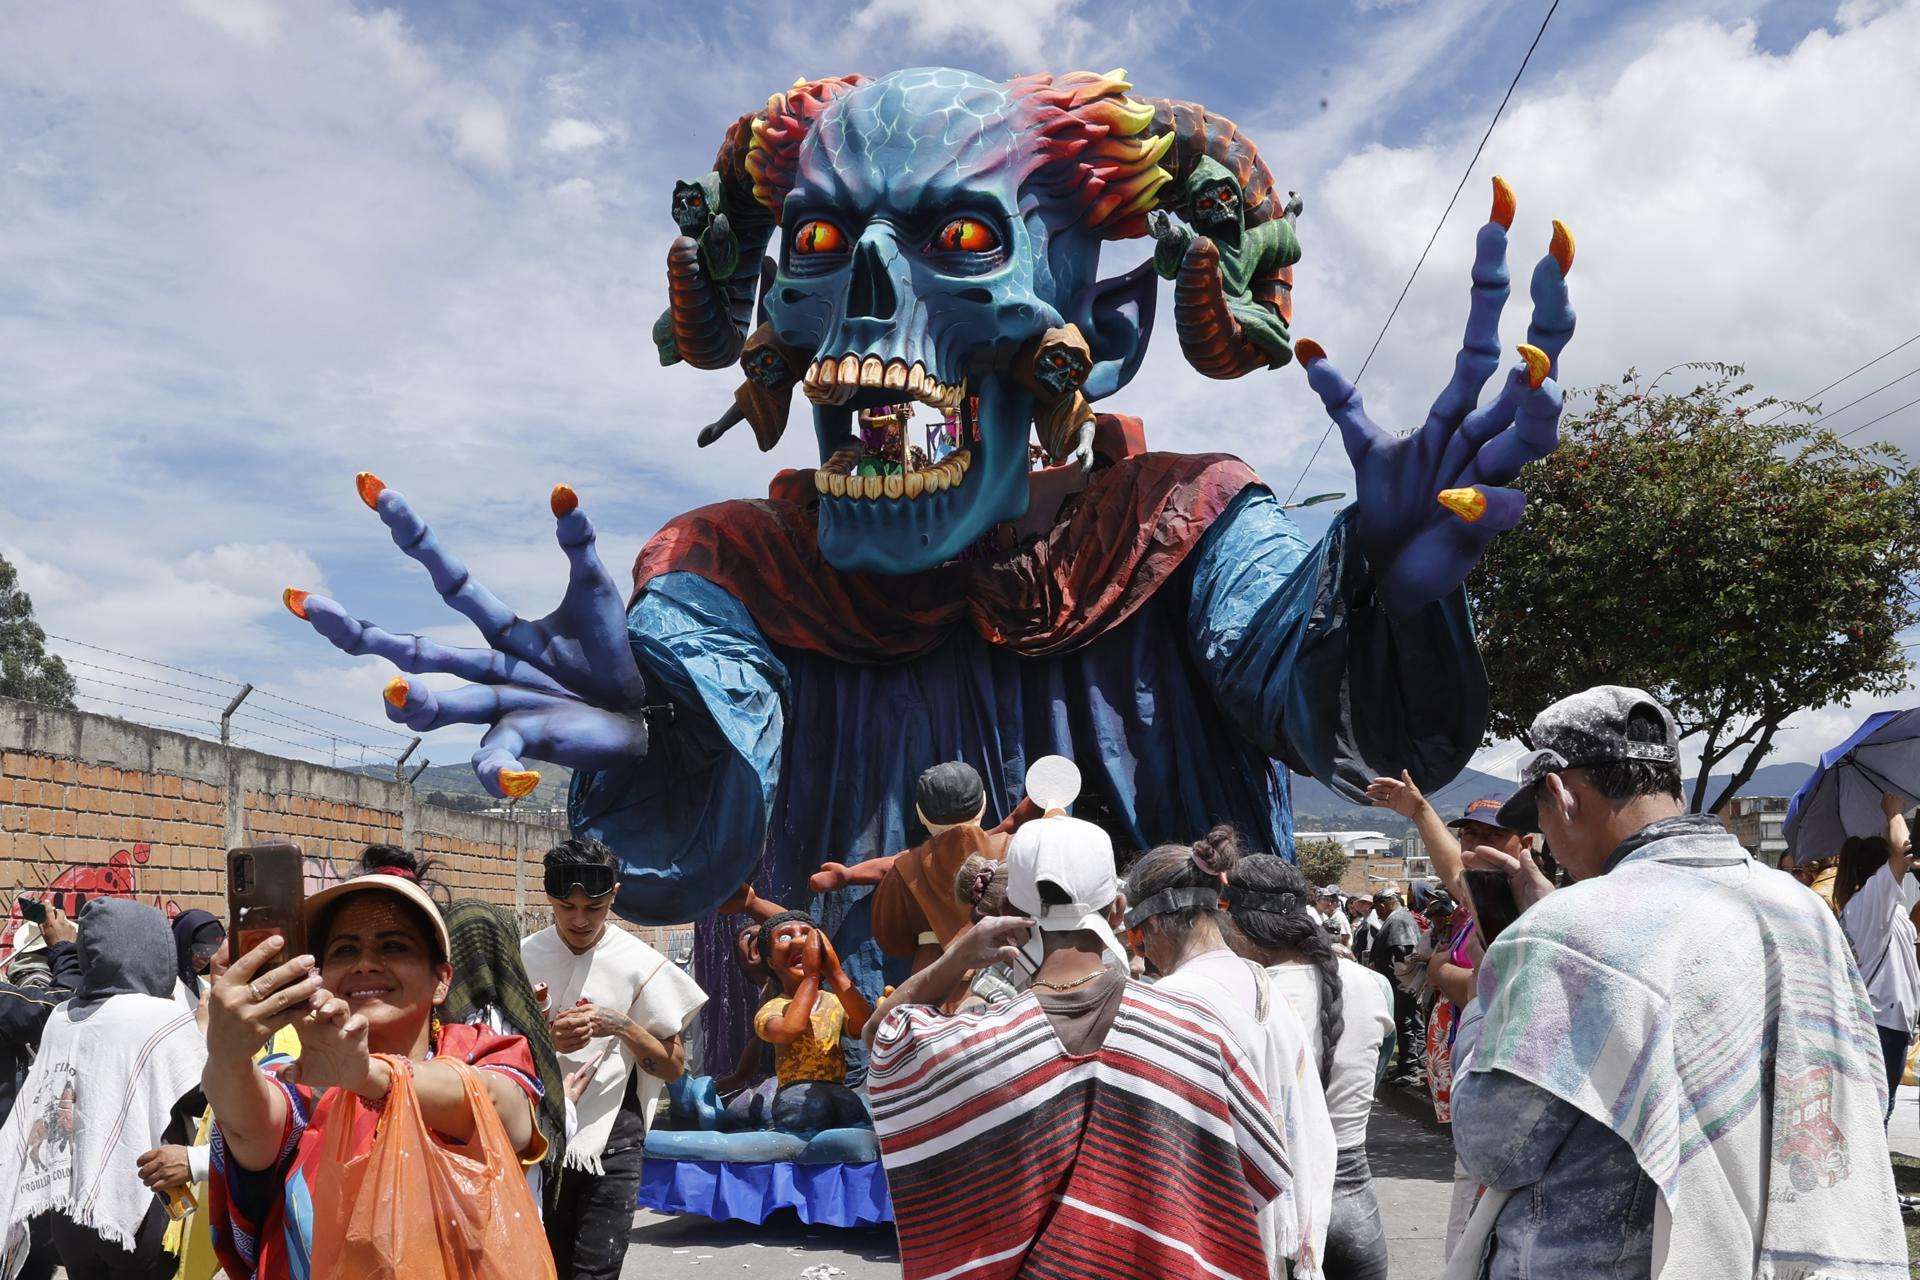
x=1007, y=1156
x=1704, y=1008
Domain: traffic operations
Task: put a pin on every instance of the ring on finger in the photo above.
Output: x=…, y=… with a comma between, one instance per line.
x=254, y=988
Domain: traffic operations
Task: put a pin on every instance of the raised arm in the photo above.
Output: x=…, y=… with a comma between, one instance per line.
x=1405, y=799
x=1899, y=840
x=1355, y=657
x=247, y=1004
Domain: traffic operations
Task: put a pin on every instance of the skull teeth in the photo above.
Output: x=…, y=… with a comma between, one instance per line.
x=836, y=479
x=833, y=380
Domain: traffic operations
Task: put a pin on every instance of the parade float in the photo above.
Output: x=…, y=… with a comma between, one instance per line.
x=1017, y=573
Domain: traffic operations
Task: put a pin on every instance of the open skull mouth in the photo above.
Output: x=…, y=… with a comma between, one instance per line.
x=831, y=381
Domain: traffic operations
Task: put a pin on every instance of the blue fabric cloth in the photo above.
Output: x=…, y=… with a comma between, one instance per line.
x=1581, y=1206
x=832, y=1195
x=1261, y=649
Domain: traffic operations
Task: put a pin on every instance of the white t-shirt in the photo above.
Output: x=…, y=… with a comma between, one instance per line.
x=620, y=972
x=1336, y=924
x=1882, y=934
x=1366, y=1010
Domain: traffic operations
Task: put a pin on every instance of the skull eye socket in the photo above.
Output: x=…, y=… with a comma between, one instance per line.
x=819, y=236
x=966, y=235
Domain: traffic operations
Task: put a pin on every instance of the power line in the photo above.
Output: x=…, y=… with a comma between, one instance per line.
x=1843, y=377
x=1870, y=395
x=1870, y=421
x=1467, y=173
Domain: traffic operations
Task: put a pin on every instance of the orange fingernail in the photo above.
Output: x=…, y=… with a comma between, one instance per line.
x=396, y=692
x=1503, y=203
x=369, y=486
x=1562, y=246
x=296, y=602
x=519, y=783
x=1468, y=504
x=1306, y=350
x=1538, y=364
x=564, y=500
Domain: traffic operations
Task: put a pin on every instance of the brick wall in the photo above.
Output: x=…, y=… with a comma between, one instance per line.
x=92, y=805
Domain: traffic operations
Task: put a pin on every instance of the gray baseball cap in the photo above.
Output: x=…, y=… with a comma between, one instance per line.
x=1589, y=728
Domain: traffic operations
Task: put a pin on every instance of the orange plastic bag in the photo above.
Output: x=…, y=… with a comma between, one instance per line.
x=417, y=1208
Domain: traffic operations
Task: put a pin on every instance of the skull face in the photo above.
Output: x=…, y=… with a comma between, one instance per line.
x=911, y=268
x=690, y=208
x=1216, y=210
x=1061, y=367
x=765, y=367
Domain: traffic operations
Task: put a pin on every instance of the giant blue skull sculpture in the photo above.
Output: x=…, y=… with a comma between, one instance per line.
x=762, y=696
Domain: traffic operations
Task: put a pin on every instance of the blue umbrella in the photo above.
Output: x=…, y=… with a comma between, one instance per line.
x=1842, y=798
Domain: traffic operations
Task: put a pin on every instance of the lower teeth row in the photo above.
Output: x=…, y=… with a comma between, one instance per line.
x=910, y=484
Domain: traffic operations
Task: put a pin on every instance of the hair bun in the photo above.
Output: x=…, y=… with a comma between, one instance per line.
x=1218, y=852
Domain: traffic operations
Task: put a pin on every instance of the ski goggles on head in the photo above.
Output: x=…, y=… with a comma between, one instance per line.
x=594, y=879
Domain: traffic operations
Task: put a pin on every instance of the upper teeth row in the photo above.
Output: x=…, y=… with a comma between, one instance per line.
x=834, y=481
x=893, y=375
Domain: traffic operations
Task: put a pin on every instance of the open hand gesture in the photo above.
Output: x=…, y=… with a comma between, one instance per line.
x=564, y=688
x=1429, y=503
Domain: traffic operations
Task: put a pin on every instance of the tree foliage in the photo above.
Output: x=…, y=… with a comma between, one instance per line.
x=1322, y=862
x=27, y=670
x=1723, y=553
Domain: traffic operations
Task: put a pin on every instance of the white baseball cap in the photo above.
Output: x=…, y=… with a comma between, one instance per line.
x=1075, y=856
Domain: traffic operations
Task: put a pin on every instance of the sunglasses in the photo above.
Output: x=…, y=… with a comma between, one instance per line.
x=591, y=878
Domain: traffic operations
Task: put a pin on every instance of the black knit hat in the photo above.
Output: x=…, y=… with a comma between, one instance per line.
x=949, y=794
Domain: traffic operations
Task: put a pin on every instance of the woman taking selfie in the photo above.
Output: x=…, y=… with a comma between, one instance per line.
x=364, y=1005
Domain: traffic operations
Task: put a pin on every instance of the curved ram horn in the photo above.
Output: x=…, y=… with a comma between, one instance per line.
x=755, y=166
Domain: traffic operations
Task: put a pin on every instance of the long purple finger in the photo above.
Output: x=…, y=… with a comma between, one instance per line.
x=497, y=763
x=498, y=625
x=594, y=606
x=1480, y=426
x=1342, y=400
x=1534, y=433
x=415, y=654
x=1480, y=349
x=412, y=703
x=1552, y=325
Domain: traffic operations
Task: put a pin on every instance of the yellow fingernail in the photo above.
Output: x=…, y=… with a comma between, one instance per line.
x=1468, y=504
x=1306, y=351
x=563, y=500
x=519, y=783
x=296, y=602
x=396, y=692
x=369, y=486
x=1539, y=365
x=1562, y=246
x=1503, y=203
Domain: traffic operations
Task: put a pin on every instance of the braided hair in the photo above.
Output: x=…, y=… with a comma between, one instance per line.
x=1268, y=897
x=1184, y=866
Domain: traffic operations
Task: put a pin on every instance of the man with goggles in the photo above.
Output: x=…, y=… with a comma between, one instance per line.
x=618, y=1008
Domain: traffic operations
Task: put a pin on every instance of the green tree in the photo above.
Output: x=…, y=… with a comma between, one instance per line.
x=1320, y=861
x=27, y=670
x=1723, y=553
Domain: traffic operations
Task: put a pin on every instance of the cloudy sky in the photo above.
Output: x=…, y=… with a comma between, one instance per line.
x=254, y=246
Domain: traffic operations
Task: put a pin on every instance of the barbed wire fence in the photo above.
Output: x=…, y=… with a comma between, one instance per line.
x=165, y=695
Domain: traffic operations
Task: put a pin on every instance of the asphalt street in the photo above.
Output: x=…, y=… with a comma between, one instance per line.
x=1412, y=1167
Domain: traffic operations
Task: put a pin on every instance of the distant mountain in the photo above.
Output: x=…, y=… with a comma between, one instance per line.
x=458, y=783
x=1319, y=808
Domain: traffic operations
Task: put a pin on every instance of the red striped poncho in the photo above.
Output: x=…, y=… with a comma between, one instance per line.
x=1007, y=1156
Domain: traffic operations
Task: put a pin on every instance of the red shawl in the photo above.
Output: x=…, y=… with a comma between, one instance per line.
x=1114, y=546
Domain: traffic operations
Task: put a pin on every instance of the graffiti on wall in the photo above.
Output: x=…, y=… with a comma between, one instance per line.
x=79, y=883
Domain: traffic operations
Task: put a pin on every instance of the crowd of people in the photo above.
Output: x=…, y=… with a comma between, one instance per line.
x=1165, y=1073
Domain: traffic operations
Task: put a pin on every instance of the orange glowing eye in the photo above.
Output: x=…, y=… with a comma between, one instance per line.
x=818, y=237
x=966, y=235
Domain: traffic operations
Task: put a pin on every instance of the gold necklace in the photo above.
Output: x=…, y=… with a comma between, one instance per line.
x=1068, y=986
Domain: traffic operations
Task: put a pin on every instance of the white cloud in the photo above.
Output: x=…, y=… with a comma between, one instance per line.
x=568, y=135
x=254, y=22
x=240, y=267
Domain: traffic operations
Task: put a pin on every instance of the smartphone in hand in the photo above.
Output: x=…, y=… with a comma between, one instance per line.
x=33, y=909
x=1494, y=907
x=266, y=895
